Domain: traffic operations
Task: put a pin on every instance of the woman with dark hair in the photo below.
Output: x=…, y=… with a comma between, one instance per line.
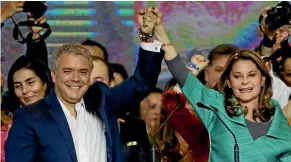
x=29, y=80
x=34, y=64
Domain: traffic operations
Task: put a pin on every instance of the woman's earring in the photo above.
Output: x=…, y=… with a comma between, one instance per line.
x=225, y=84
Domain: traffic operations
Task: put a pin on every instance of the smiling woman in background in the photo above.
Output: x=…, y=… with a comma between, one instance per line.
x=28, y=81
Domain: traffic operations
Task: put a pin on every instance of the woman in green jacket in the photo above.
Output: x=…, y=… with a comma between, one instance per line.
x=242, y=100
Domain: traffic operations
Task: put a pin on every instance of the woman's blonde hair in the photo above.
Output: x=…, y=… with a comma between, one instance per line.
x=233, y=107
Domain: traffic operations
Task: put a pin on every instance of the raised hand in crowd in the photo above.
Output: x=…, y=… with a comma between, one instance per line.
x=158, y=29
x=198, y=60
x=147, y=20
x=9, y=8
x=269, y=47
x=269, y=32
x=272, y=38
x=36, y=29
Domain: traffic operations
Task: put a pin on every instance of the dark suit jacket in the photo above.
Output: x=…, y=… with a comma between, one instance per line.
x=134, y=140
x=40, y=132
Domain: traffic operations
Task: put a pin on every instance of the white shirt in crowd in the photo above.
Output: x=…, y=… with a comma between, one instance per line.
x=88, y=132
x=281, y=92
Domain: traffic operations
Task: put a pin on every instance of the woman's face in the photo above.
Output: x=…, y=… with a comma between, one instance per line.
x=28, y=87
x=246, y=81
x=287, y=72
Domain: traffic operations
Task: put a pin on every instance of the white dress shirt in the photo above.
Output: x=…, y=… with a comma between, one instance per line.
x=155, y=46
x=88, y=132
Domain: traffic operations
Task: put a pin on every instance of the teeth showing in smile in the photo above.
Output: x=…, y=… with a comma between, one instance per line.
x=28, y=98
x=75, y=87
x=244, y=90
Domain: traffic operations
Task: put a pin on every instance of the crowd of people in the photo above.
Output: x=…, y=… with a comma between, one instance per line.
x=233, y=105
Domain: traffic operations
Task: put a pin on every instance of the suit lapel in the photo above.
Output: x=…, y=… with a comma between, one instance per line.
x=60, y=118
x=107, y=131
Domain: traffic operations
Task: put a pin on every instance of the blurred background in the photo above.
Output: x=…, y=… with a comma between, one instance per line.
x=194, y=27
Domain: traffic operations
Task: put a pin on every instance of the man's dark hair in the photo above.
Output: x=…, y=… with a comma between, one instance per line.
x=220, y=50
x=172, y=82
x=156, y=90
x=119, y=68
x=110, y=71
x=89, y=42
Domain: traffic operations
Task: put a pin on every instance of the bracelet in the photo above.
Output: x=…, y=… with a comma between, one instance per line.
x=167, y=44
x=192, y=65
x=144, y=36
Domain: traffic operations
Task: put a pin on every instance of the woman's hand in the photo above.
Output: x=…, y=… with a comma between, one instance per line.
x=150, y=19
x=146, y=20
x=36, y=29
x=9, y=8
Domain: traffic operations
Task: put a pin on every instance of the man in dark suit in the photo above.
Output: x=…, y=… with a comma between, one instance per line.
x=77, y=122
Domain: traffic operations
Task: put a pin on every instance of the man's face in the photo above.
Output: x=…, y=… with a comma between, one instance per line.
x=150, y=111
x=72, y=78
x=214, y=71
x=287, y=72
x=95, y=51
x=100, y=72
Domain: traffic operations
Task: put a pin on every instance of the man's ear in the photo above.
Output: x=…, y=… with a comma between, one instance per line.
x=53, y=76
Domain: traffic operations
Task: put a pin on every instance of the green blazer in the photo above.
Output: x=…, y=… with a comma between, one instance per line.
x=275, y=146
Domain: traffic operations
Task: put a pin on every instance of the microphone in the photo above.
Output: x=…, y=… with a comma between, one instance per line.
x=159, y=130
x=128, y=114
x=236, y=147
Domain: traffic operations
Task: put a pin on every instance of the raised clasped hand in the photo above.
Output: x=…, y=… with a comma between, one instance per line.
x=200, y=61
x=147, y=20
